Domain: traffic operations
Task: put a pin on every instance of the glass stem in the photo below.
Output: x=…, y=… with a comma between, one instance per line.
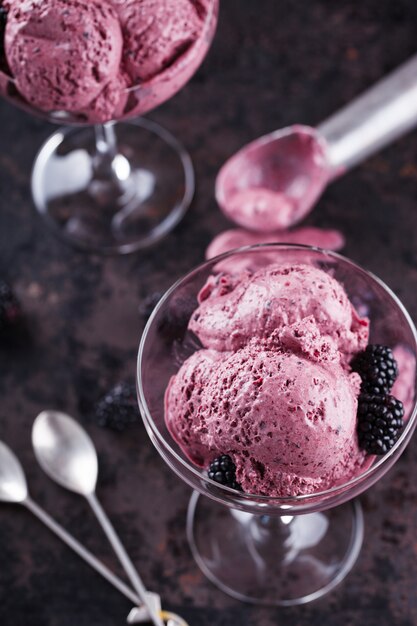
x=110, y=167
x=106, y=143
x=263, y=525
x=270, y=537
x=106, y=150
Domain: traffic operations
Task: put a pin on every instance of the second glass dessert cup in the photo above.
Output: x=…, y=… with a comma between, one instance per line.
x=260, y=549
x=108, y=181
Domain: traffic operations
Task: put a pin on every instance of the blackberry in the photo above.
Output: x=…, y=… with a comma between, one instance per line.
x=380, y=419
x=222, y=470
x=377, y=368
x=10, y=311
x=149, y=303
x=173, y=320
x=118, y=409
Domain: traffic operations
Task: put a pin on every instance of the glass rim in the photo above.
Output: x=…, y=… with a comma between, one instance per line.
x=263, y=499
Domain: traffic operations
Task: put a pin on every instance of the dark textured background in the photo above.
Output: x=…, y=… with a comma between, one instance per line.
x=272, y=63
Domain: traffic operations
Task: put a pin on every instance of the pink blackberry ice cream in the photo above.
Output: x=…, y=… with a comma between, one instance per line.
x=97, y=60
x=157, y=34
x=61, y=58
x=272, y=386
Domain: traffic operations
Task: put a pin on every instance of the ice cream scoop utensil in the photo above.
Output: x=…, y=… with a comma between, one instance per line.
x=13, y=489
x=286, y=171
x=66, y=453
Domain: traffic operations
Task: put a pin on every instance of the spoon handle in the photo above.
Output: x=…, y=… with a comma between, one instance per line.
x=85, y=554
x=123, y=556
x=380, y=115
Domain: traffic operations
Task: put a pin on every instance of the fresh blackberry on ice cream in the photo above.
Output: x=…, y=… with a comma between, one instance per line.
x=10, y=311
x=118, y=409
x=380, y=419
x=377, y=368
x=222, y=470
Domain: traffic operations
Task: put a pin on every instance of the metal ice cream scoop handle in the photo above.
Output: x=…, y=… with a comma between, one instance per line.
x=380, y=115
x=274, y=181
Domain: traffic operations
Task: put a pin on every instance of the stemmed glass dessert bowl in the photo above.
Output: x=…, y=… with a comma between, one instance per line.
x=270, y=550
x=108, y=181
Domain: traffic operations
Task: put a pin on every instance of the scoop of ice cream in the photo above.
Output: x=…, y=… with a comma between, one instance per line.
x=62, y=53
x=157, y=33
x=273, y=298
x=287, y=422
x=183, y=399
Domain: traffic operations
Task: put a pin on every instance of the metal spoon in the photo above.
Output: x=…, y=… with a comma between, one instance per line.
x=275, y=180
x=138, y=616
x=14, y=490
x=67, y=454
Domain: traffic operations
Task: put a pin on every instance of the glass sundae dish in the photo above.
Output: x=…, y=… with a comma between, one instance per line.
x=105, y=186
x=252, y=387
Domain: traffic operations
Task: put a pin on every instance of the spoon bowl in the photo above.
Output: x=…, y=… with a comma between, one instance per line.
x=274, y=181
x=13, y=486
x=65, y=452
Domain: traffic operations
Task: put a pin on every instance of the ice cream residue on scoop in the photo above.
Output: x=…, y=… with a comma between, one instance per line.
x=274, y=181
x=308, y=236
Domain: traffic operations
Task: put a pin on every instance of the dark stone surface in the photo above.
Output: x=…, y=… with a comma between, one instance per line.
x=272, y=63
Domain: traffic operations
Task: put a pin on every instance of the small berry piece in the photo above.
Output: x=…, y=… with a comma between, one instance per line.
x=118, y=409
x=175, y=315
x=377, y=368
x=223, y=471
x=380, y=419
x=10, y=311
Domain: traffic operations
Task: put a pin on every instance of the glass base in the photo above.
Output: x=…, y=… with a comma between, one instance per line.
x=134, y=201
x=281, y=561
